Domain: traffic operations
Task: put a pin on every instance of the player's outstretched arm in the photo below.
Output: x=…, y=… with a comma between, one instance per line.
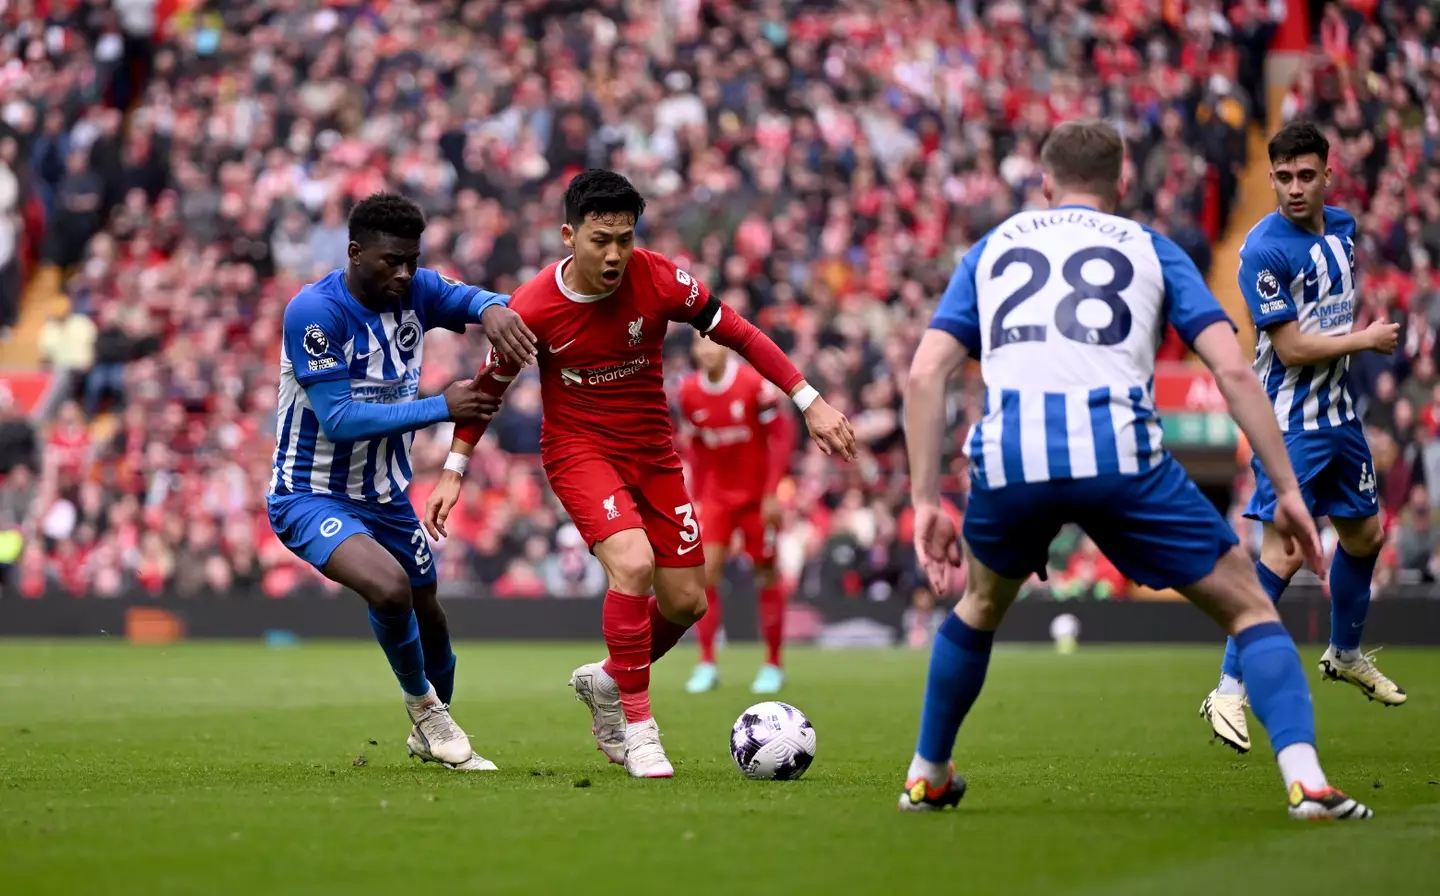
x=1250, y=407
x=1302, y=349
x=828, y=427
x=1265, y=276
x=343, y=419
x=492, y=381
x=453, y=305
x=938, y=356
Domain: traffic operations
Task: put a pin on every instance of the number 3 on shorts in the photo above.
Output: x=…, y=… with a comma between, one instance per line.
x=691, y=532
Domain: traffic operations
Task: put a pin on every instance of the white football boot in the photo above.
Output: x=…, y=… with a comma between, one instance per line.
x=644, y=757
x=437, y=734
x=597, y=690
x=1361, y=672
x=476, y=762
x=1226, y=715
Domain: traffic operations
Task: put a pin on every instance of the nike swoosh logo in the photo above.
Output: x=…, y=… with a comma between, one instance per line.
x=561, y=348
x=367, y=354
x=424, y=569
x=683, y=551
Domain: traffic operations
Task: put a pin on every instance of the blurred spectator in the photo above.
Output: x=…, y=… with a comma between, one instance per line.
x=67, y=342
x=17, y=437
x=571, y=570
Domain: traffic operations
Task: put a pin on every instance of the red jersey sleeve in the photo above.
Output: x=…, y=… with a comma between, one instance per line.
x=679, y=295
x=496, y=374
x=684, y=299
x=493, y=379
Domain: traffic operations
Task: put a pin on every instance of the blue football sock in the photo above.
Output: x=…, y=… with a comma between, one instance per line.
x=1274, y=586
x=399, y=637
x=1276, y=684
x=440, y=666
x=1349, y=597
x=957, y=672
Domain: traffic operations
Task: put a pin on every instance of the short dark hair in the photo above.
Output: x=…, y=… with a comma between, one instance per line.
x=1087, y=154
x=1296, y=139
x=596, y=191
x=387, y=213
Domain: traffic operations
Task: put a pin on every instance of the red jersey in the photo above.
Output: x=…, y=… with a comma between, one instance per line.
x=734, y=459
x=600, y=359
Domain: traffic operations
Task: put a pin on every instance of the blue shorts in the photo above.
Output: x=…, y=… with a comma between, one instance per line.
x=1337, y=476
x=313, y=526
x=1156, y=527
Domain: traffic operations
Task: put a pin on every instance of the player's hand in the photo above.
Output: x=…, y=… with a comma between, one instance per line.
x=440, y=503
x=508, y=333
x=1384, y=336
x=829, y=429
x=770, y=511
x=937, y=545
x=1297, y=528
x=468, y=404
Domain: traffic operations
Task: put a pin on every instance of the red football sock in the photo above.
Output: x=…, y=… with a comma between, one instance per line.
x=664, y=634
x=709, y=625
x=625, y=621
x=772, y=621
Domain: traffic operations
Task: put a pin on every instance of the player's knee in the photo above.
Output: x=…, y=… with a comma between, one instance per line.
x=632, y=571
x=390, y=592
x=1366, y=542
x=687, y=604
x=980, y=610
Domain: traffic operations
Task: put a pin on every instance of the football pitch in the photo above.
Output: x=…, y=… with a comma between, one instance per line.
x=232, y=768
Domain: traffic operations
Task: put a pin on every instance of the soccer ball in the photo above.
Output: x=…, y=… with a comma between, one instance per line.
x=772, y=741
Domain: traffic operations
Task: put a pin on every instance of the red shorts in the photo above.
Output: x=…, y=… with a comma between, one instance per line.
x=720, y=521
x=605, y=495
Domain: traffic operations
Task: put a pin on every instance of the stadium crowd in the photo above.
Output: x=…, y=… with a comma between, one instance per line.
x=821, y=164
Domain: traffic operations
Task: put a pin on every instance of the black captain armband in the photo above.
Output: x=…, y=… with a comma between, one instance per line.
x=706, y=318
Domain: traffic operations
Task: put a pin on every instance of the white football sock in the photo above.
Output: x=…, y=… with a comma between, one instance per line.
x=412, y=700
x=1347, y=655
x=936, y=773
x=1231, y=686
x=1300, y=762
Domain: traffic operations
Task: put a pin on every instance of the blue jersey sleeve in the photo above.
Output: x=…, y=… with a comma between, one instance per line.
x=315, y=333
x=1190, y=306
x=450, y=304
x=1265, y=278
x=343, y=419
x=959, y=311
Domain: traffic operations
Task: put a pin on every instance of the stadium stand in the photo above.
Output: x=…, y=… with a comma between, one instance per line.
x=820, y=164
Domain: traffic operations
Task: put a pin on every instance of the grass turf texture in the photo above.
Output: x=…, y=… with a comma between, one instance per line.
x=229, y=768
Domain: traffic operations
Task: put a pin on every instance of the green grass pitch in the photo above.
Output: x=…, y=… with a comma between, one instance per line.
x=224, y=768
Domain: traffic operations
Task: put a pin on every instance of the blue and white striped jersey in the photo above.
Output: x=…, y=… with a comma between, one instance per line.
x=329, y=335
x=1288, y=273
x=1065, y=308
